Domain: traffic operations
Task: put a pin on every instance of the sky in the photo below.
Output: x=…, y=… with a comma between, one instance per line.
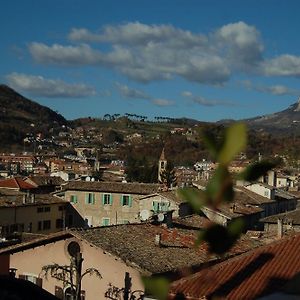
x=202, y=59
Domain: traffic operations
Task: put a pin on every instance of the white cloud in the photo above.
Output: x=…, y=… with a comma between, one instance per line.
x=162, y=102
x=147, y=53
x=83, y=35
x=278, y=90
x=283, y=65
x=136, y=33
x=205, y=102
x=65, y=55
x=130, y=93
x=40, y=86
x=241, y=43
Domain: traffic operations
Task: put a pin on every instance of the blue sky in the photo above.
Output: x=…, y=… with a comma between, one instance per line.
x=207, y=60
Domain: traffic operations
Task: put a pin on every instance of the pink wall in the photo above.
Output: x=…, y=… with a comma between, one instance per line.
x=111, y=268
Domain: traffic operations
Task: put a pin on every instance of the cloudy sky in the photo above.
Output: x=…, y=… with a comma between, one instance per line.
x=202, y=59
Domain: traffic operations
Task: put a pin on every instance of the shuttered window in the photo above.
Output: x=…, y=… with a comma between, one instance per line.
x=90, y=198
x=126, y=200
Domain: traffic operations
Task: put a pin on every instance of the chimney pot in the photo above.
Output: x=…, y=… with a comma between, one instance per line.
x=157, y=239
x=279, y=228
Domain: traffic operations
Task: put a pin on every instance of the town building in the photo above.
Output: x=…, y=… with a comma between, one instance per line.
x=28, y=212
x=106, y=203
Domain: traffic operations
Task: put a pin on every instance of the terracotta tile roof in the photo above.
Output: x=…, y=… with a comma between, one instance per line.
x=235, y=210
x=170, y=195
x=193, y=221
x=248, y=276
x=45, y=180
x=38, y=241
x=112, y=187
x=16, y=183
x=135, y=245
x=287, y=217
x=33, y=199
x=247, y=196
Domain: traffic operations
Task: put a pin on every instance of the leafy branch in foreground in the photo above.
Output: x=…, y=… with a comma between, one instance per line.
x=219, y=190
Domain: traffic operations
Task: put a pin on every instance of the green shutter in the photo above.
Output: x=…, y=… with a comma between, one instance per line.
x=110, y=199
x=87, y=198
x=121, y=200
x=130, y=201
x=102, y=199
x=105, y=221
x=75, y=199
x=155, y=206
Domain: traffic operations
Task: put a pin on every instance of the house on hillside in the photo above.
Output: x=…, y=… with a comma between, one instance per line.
x=106, y=203
x=290, y=221
x=17, y=184
x=35, y=213
x=45, y=184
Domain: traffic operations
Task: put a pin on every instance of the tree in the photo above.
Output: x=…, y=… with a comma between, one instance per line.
x=70, y=275
x=168, y=176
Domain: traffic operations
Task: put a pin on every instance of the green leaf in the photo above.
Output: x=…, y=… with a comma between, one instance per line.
x=220, y=186
x=256, y=170
x=196, y=198
x=212, y=144
x=217, y=238
x=157, y=287
x=235, y=141
x=236, y=227
x=200, y=237
x=220, y=239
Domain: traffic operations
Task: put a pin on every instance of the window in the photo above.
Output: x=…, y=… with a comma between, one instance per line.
x=90, y=198
x=46, y=225
x=61, y=208
x=47, y=208
x=155, y=206
x=40, y=223
x=126, y=200
x=106, y=199
x=43, y=209
x=59, y=223
x=73, y=199
x=105, y=221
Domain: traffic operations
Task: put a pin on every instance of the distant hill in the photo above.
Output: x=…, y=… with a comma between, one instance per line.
x=286, y=121
x=19, y=115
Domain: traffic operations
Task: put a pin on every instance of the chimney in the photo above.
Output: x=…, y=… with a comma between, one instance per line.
x=232, y=208
x=279, y=228
x=157, y=239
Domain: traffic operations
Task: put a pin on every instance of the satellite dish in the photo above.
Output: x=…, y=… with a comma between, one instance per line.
x=145, y=215
x=160, y=217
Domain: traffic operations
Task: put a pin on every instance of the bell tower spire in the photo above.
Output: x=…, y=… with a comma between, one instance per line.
x=162, y=164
